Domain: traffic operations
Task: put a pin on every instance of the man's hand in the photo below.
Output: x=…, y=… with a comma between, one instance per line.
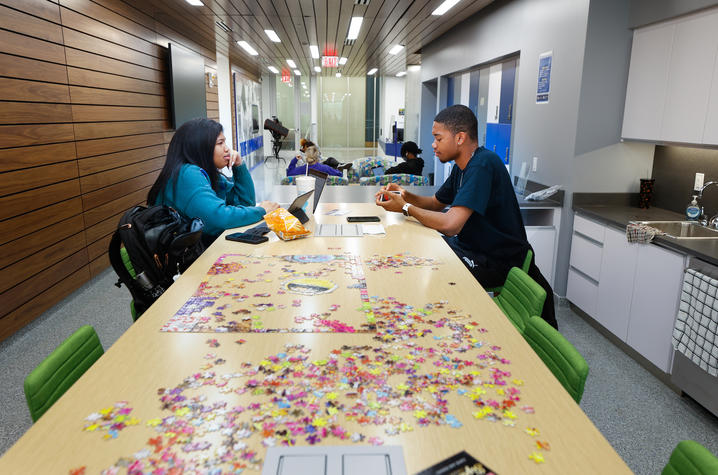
x=391, y=201
x=268, y=206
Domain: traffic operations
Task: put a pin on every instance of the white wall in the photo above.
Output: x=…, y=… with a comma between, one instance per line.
x=412, y=99
x=392, y=99
x=224, y=96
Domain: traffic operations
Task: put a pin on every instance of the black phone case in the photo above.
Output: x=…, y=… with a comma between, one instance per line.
x=247, y=238
x=363, y=219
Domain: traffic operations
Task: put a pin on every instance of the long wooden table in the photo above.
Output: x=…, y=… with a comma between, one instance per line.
x=145, y=359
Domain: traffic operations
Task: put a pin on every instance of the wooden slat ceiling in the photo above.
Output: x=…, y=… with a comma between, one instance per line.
x=300, y=23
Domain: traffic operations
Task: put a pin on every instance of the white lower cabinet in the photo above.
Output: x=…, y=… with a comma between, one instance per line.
x=542, y=240
x=615, y=288
x=636, y=294
x=656, y=295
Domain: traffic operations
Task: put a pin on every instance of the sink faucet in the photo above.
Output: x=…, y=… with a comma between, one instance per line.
x=713, y=221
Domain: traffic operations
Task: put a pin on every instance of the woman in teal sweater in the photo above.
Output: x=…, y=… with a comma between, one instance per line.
x=191, y=183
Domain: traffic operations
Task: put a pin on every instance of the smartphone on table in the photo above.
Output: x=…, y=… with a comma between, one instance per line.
x=363, y=219
x=247, y=238
x=383, y=196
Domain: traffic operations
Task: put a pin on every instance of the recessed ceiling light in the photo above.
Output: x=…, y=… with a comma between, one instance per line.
x=338, y=75
x=273, y=69
x=195, y=3
x=395, y=49
x=354, y=27
x=272, y=36
x=403, y=73
x=372, y=71
x=246, y=47
x=342, y=60
x=444, y=7
x=317, y=69
x=314, y=49
x=291, y=63
x=297, y=72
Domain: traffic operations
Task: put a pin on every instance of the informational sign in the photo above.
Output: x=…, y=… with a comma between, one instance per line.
x=544, y=77
x=286, y=75
x=330, y=61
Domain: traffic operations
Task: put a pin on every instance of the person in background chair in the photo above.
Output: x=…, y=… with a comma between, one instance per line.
x=304, y=145
x=483, y=224
x=413, y=164
x=312, y=158
x=190, y=181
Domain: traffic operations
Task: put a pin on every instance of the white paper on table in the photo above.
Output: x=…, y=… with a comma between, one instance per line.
x=373, y=229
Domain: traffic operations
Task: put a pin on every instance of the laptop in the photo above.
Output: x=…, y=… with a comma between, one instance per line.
x=320, y=178
x=296, y=207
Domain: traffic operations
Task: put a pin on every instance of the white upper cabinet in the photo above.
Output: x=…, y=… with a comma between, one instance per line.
x=710, y=132
x=672, y=81
x=689, y=80
x=647, y=82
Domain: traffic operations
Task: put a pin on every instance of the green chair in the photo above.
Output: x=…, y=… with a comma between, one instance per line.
x=521, y=298
x=525, y=267
x=128, y=265
x=51, y=378
x=691, y=458
x=561, y=357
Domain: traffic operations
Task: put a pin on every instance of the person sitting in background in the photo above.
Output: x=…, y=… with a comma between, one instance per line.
x=190, y=181
x=304, y=144
x=311, y=157
x=413, y=164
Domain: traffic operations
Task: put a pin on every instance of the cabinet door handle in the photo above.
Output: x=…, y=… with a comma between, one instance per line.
x=496, y=115
x=507, y=153
x=494, y=148
x=509, y=117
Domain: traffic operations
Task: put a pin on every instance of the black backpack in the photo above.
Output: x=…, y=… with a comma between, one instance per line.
x=160, y=245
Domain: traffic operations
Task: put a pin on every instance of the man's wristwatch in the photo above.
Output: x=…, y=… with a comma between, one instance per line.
x=405, y=209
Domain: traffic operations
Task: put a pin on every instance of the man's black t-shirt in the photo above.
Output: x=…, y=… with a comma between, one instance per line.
x=495, y=228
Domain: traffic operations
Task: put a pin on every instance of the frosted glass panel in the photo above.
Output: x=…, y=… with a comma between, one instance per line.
x=342, y=106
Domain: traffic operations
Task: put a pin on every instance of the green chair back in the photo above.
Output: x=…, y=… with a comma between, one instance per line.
x=691, y=458
x=128, y=265
x=521, y=298
x=525, y=267
x=51, y=378
x=559, y=355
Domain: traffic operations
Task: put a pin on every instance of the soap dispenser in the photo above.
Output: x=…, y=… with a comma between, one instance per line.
x=693, y=210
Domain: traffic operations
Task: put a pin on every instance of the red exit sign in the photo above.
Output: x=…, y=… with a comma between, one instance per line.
x=330, y=61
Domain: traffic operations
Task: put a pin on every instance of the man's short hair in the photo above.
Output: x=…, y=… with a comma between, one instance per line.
x=459, y=118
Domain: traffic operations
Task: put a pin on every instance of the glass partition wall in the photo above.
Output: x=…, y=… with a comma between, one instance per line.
x=342, y=112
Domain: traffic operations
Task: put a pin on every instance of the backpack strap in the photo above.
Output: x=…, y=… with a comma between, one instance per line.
x=118, y=265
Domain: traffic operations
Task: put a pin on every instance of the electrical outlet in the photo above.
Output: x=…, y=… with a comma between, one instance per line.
x=534, y=166
x=699, y=182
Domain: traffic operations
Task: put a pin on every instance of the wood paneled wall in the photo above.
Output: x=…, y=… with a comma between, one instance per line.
x=84, y=127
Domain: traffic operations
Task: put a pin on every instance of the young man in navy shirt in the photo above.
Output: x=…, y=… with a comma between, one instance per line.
x=483, y=224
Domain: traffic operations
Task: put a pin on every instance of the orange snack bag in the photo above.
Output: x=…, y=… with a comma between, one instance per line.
x=285, y=225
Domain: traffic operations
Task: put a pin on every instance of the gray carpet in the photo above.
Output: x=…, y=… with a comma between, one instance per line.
x=642, y=418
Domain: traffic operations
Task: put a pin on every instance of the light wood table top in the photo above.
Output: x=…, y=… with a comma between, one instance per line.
x=145, y=359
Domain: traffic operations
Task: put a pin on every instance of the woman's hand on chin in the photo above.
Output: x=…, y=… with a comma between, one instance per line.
x=235, y=160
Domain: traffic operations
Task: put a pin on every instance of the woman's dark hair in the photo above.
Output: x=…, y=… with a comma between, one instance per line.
x=192, y=143
x=459, y=118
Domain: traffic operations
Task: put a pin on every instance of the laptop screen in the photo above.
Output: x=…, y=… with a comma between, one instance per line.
x=320, y=178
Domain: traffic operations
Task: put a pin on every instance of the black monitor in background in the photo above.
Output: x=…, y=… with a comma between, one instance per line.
x=187, y=85
x=255, y=118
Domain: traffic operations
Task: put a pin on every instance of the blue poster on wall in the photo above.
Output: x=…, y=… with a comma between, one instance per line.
x=544, y=77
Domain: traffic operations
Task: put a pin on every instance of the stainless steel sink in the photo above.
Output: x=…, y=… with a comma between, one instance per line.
x=683, y=229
